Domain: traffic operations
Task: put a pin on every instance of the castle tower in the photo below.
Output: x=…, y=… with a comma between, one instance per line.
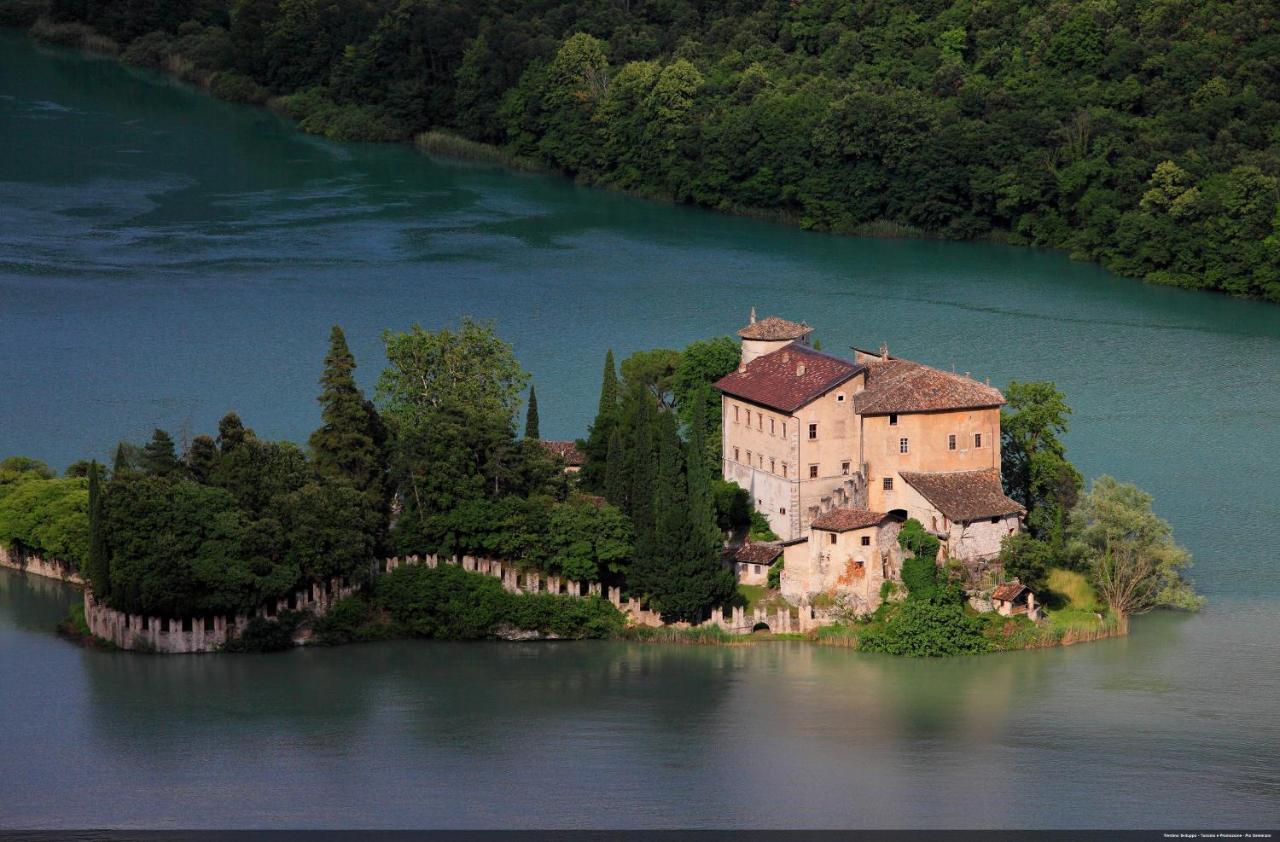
x=769, y=334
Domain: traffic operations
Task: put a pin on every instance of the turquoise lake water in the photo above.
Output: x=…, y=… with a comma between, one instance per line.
x=165, y=258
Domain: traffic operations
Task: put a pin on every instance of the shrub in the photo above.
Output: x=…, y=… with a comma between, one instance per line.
x=236, y=87
x=349, y=620
x=264, y=635
x=775, y=574
x=151, y=50
x=927, y=629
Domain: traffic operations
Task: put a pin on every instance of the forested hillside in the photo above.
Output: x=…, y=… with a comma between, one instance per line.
x=1139, y=133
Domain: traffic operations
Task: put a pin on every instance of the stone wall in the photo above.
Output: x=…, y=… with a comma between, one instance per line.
x=184, y=635
x=18, y=558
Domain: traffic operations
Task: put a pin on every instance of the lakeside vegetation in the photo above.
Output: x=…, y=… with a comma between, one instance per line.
x=1144, y=135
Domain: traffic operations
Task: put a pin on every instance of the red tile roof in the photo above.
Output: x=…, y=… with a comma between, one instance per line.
x=755, y=553
x=1008, y=592
x=774, y=380
x=846, y=518
x=566, y=450
x=774, y=328
x=896, y=385
x=964, y=496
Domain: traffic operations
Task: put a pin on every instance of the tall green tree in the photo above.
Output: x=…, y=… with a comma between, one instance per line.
x=531, y=417
x=351, y=444
x=159, y=459
x=596, y=446
x=1034, y=465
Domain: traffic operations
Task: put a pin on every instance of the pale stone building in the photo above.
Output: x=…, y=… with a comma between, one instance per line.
x=849, y=552
x=808, y=434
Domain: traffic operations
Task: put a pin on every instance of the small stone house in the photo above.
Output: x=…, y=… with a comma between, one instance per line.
x=568, y=454
x=849, y=553
x=1012, y=598
x=750, y=562
x=967, y=510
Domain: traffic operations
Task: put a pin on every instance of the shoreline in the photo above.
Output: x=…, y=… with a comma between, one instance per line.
x=443, y=142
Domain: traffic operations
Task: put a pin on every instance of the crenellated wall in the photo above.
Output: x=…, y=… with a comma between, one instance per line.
x=184, y=635
x=18, y=558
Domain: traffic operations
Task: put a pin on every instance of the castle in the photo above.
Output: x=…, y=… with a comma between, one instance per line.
x=837, y=453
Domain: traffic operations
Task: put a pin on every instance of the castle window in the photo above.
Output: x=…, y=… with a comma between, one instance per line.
x=771, y=427
x=735, y=414
x=748, y=418
x=735, y=455
x=888, y=483
x=977, y=439
x=784, y=429
x=839, y=397
x=951, y=442
x=866, y=540
x=760, y=421
x=833, y=538
x=813, y=472
x=748, y=458
x=784, y=469
x=773, y=469
x=761, y=457
x=902, y=445
x=844, y=469
x=757, y=569
x=893, y=419
x=813, y=431
x=782, y=511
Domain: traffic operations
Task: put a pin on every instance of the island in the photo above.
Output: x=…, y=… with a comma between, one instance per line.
x=727, y=490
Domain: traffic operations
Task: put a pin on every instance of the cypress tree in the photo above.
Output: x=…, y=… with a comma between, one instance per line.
x=705, y=582
x=617, y=481
x=596, y=446
x=641, y=468
x=531, y=417
x=231, y=432
x=159, y=459
x=670, y=523
x=350, y=445
x=122, y=464
x=98, y=569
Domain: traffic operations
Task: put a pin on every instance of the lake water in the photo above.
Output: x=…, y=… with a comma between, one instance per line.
x=165, y=258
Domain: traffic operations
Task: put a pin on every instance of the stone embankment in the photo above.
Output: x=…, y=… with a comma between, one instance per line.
x=18, y=558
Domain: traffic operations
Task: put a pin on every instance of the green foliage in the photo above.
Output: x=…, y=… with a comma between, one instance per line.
x=921, y=628
x=351, y=619
x=733, y=507
x=158, y=457
x=449, y=603
x=760, y=529
x=1034, y=466
x=97, y=569
x=1135, y=563
x=351, y=445
x=653, y=371
x=701, y=364
x=920, y=571
x=44, y=515
x=588, y=541
x=1027, y=559
x=596, y=448
x=774, y=580
x=267, y=635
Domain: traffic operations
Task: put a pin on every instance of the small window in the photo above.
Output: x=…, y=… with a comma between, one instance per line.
x=735, y=414
x=888, y=483
x=813, y=472
x=748, y=418
x=784, y=429
x=951, y=442
x=813, y=431
x=866, y=540
x=784, y=469
x=844, y=469
x=756, y=569
x=893, y=419
x=772, y=430
x=833, y=538
x=902, y=445
x=839, y=397
x=748, y=458
x=772, y=467
x=977, y=439
x=760, y=421
x=736, y=455
x=782, y=511
x=761, y=458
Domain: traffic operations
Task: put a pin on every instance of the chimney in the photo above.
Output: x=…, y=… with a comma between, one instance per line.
x=742, y=368
x=786, y=356
x=800, y=370
x=884, y=350
x=753, y=315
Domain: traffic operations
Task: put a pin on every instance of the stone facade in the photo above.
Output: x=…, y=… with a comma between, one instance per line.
x=852, y=564
x=17, y=558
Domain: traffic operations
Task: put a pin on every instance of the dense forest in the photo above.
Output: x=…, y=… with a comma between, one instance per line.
x=1139, y=133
